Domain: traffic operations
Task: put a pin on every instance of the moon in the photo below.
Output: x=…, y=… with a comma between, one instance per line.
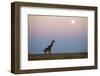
x=72, y=21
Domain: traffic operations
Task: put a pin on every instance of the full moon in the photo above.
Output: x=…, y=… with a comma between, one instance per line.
x=72, y=21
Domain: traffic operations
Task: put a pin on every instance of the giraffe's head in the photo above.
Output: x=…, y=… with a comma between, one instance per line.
x=53, y=41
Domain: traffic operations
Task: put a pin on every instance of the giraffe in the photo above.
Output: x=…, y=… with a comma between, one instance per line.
x=48, y=49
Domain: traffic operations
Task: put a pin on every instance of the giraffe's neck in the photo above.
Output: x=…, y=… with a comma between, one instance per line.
x=51, y=44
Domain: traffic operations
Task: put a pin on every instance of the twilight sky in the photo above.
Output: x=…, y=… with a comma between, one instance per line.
x=70, y=34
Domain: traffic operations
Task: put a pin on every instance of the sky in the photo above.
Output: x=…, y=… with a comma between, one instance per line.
x=70, y=34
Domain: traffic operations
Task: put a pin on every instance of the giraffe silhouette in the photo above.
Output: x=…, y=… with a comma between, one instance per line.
x=48, y=49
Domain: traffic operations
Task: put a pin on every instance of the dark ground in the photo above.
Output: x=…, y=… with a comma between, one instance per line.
x=57, y=56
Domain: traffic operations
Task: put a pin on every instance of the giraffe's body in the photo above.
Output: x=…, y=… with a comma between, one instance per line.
x=48, y=49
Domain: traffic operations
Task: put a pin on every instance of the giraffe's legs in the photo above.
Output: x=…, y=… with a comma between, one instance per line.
x=44, y=52
x=49, y=52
